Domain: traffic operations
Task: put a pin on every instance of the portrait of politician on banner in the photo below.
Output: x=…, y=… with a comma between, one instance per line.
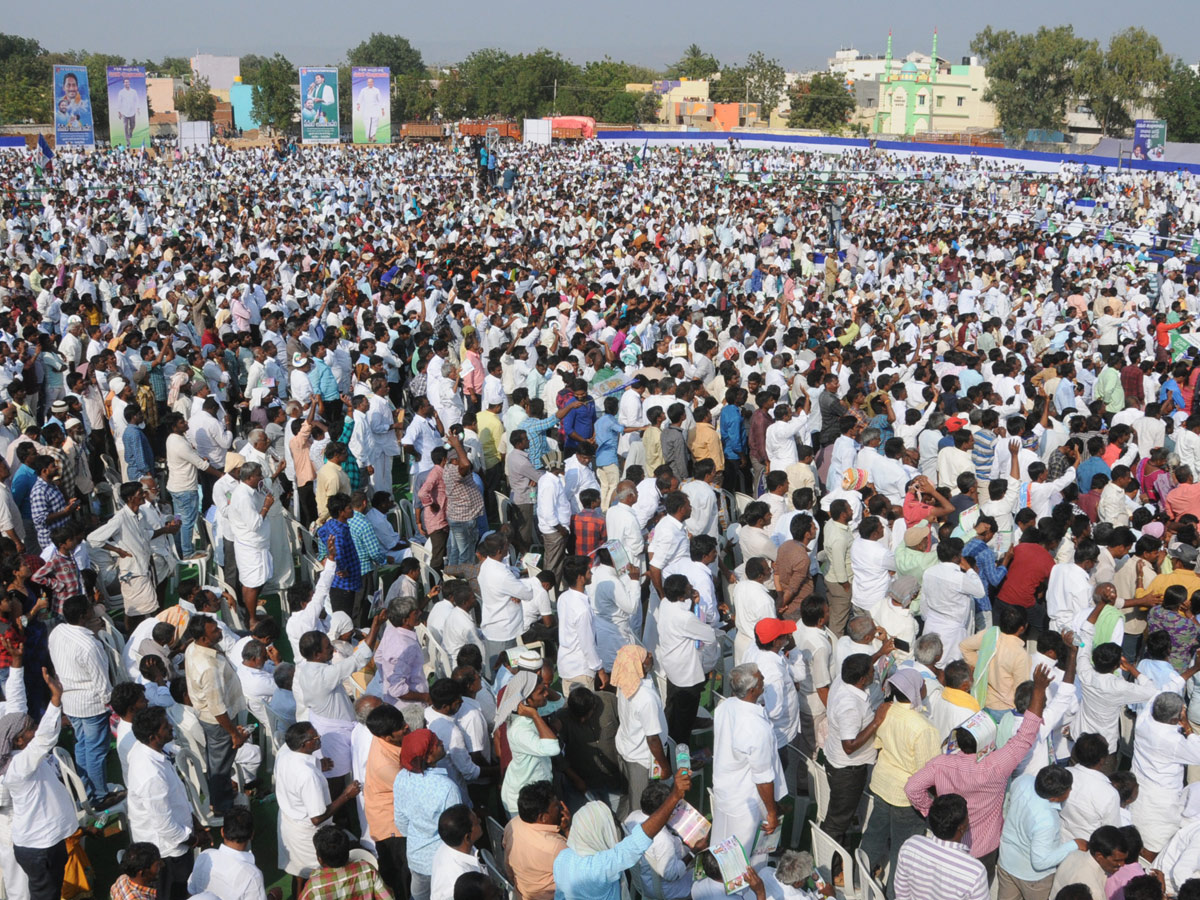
x=371, y=94
x=73, y=124
x=319, y=105
x=128, y=113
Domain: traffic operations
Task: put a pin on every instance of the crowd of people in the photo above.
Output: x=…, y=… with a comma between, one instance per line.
x=755, y=480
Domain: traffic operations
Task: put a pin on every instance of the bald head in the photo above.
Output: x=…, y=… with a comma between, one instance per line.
x=363, y=708
x=626, y=493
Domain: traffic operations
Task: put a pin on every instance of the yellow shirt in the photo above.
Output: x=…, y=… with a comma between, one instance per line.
x=491, y=431
x=652, y=443
x=706, y=444
x=906, y=741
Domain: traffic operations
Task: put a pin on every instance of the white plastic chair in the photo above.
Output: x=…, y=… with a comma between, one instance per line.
x=73, y=782
x=360, y=855
x=496, y=835
x=869, y=888
x=820, y=782
x=741, y=501
x=825, y=849
x=408, y=518
x=191, y=771
x=507, y=891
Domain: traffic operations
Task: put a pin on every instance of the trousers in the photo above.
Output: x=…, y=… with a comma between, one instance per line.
x=45, y=869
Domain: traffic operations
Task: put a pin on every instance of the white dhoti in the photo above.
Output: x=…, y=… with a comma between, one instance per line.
x=1157, y=813
x=12, y=877
x=739, y=817
x=283, y=574
x=254, y=564
x=248, y=759
x=138, y=593
x=297, y=855
x=381, y=478
x=335, y=743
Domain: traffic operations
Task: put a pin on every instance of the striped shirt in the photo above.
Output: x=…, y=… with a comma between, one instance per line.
x=932, y=869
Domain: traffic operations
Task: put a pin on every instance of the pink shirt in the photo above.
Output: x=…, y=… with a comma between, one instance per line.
x=433, y=493
x=472, y=382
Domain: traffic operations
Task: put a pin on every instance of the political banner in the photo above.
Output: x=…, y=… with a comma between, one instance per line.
x=73, y=124
x=128, y=112
x=318, y=105
x=370, y=90
x=1150, y=139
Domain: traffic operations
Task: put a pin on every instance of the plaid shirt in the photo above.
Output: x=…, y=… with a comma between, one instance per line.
x=354, y=881
x=536, y=430
x=158, y=383
x=986, y=567
x=370, y=552
x=590, y=529
x=61, y=575
x=464, y=501
x=358, y=478
x=348, y=576
x=44, y=500
x=127, y=889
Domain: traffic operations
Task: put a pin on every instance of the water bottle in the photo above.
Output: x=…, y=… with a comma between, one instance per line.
x=683, y=759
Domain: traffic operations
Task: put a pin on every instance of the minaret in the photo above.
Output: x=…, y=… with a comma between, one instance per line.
x=887, y=66
x=933, y=62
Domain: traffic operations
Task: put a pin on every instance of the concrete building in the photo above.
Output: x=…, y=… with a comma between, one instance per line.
x=161, y=93
x=221, y=71
x=922, y=95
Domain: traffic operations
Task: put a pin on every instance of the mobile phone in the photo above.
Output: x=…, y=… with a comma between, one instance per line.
x=903, y=646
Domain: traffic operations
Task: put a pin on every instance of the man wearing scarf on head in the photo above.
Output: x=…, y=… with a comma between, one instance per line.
x=642, y=732
x=531, y=741
x=422, y=791
x=43, y=812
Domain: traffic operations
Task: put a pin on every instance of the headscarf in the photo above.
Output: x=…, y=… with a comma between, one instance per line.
x=11, y=725
x=593, y=830
x=339, y=623
x=518, y=689
x=414, y=748
x=854, y=479
x=627, y=669
x=907, y=681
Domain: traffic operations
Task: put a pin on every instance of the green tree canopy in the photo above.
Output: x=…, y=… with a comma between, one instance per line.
x=1031, y=76
x=196, y=101
x=250, y=66
x=694, y=63
x=275, y=93
x=390, y=50
x=1179, y=104
x=822, y=102
x=761, y=80
x=1131, y=72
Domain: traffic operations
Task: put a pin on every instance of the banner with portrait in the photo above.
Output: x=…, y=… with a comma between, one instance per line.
x=128, y=112
x=73, y=126
x=319, y=105
x=370, y=92
x=1150, y=139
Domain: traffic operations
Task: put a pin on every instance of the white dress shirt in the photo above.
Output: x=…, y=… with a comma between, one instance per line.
x=159, y=810
x=1068, y=592
x=873, y=565
x=246, y=524
x=553, y=506
x=210, y=439
x=457, y=630
x=448, y=865
x=780, y=698
x=228, y=874
x=668, y=543
x=43, y=812
x=780, y=442
x=457, y=761
x=676, y=654
x=703, y=519
x=640, y=717
x=849, y=713
x=318, y=686
x=1093, y=802
x=948, y=604
x=744, y=756
x=751, y=604
x=1103, y=698
x=622, y=525
x=577, y=654
x=500, y=592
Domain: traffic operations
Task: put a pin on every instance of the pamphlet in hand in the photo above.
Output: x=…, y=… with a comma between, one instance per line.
x=617, y=551
x=732, y=860
x=764, y=844
x=688, y=822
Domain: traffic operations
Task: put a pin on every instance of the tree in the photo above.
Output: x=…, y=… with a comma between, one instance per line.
x=1127, y=75
x=694, y=63
x=250, y=65
x=760, y=80
x=24, y=80
x=390, y=50
x=196, y=102
x=413, y=98
x=1031, y=76
x=275, y=93
x=821, y=103
x=1179, y=103
x=453, y=96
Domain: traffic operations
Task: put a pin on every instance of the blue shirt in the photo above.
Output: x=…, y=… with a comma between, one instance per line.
x=348, y=576
x=420, y=800
x=321, y=377
x=536, y=430
x=1031, y=845
x=22, y=483
x=1088, y=469
x=598, y=877
x=734, y=439
x=581, y=421
x=608, y=433
x=139, y=458
x=985, y=563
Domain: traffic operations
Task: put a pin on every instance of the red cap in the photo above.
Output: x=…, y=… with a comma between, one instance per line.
x=954, y=423
x=767, y=630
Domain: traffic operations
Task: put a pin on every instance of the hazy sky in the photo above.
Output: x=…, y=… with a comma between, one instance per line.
x=800, y=33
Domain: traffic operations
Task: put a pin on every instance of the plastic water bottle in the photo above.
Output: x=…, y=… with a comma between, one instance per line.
x=683, y=759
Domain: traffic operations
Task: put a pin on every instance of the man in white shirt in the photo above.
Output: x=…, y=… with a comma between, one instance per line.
x=501, y=593
x=229, y=871
x=578, y=658
x=369, y=104
x=1093, y=800
x=459, y=829
x=1104, y=693
x=873, y=564
x=748, y=779
x=1165, y=746
x=622, y=523
x=948, y=592
x=1069, y=588
x=677, y=656
x=247, y=514
x=159, y=810
x=813, y=654
x=773, y=641
x=553, y=512
x=751, y=603
x=781, y=438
